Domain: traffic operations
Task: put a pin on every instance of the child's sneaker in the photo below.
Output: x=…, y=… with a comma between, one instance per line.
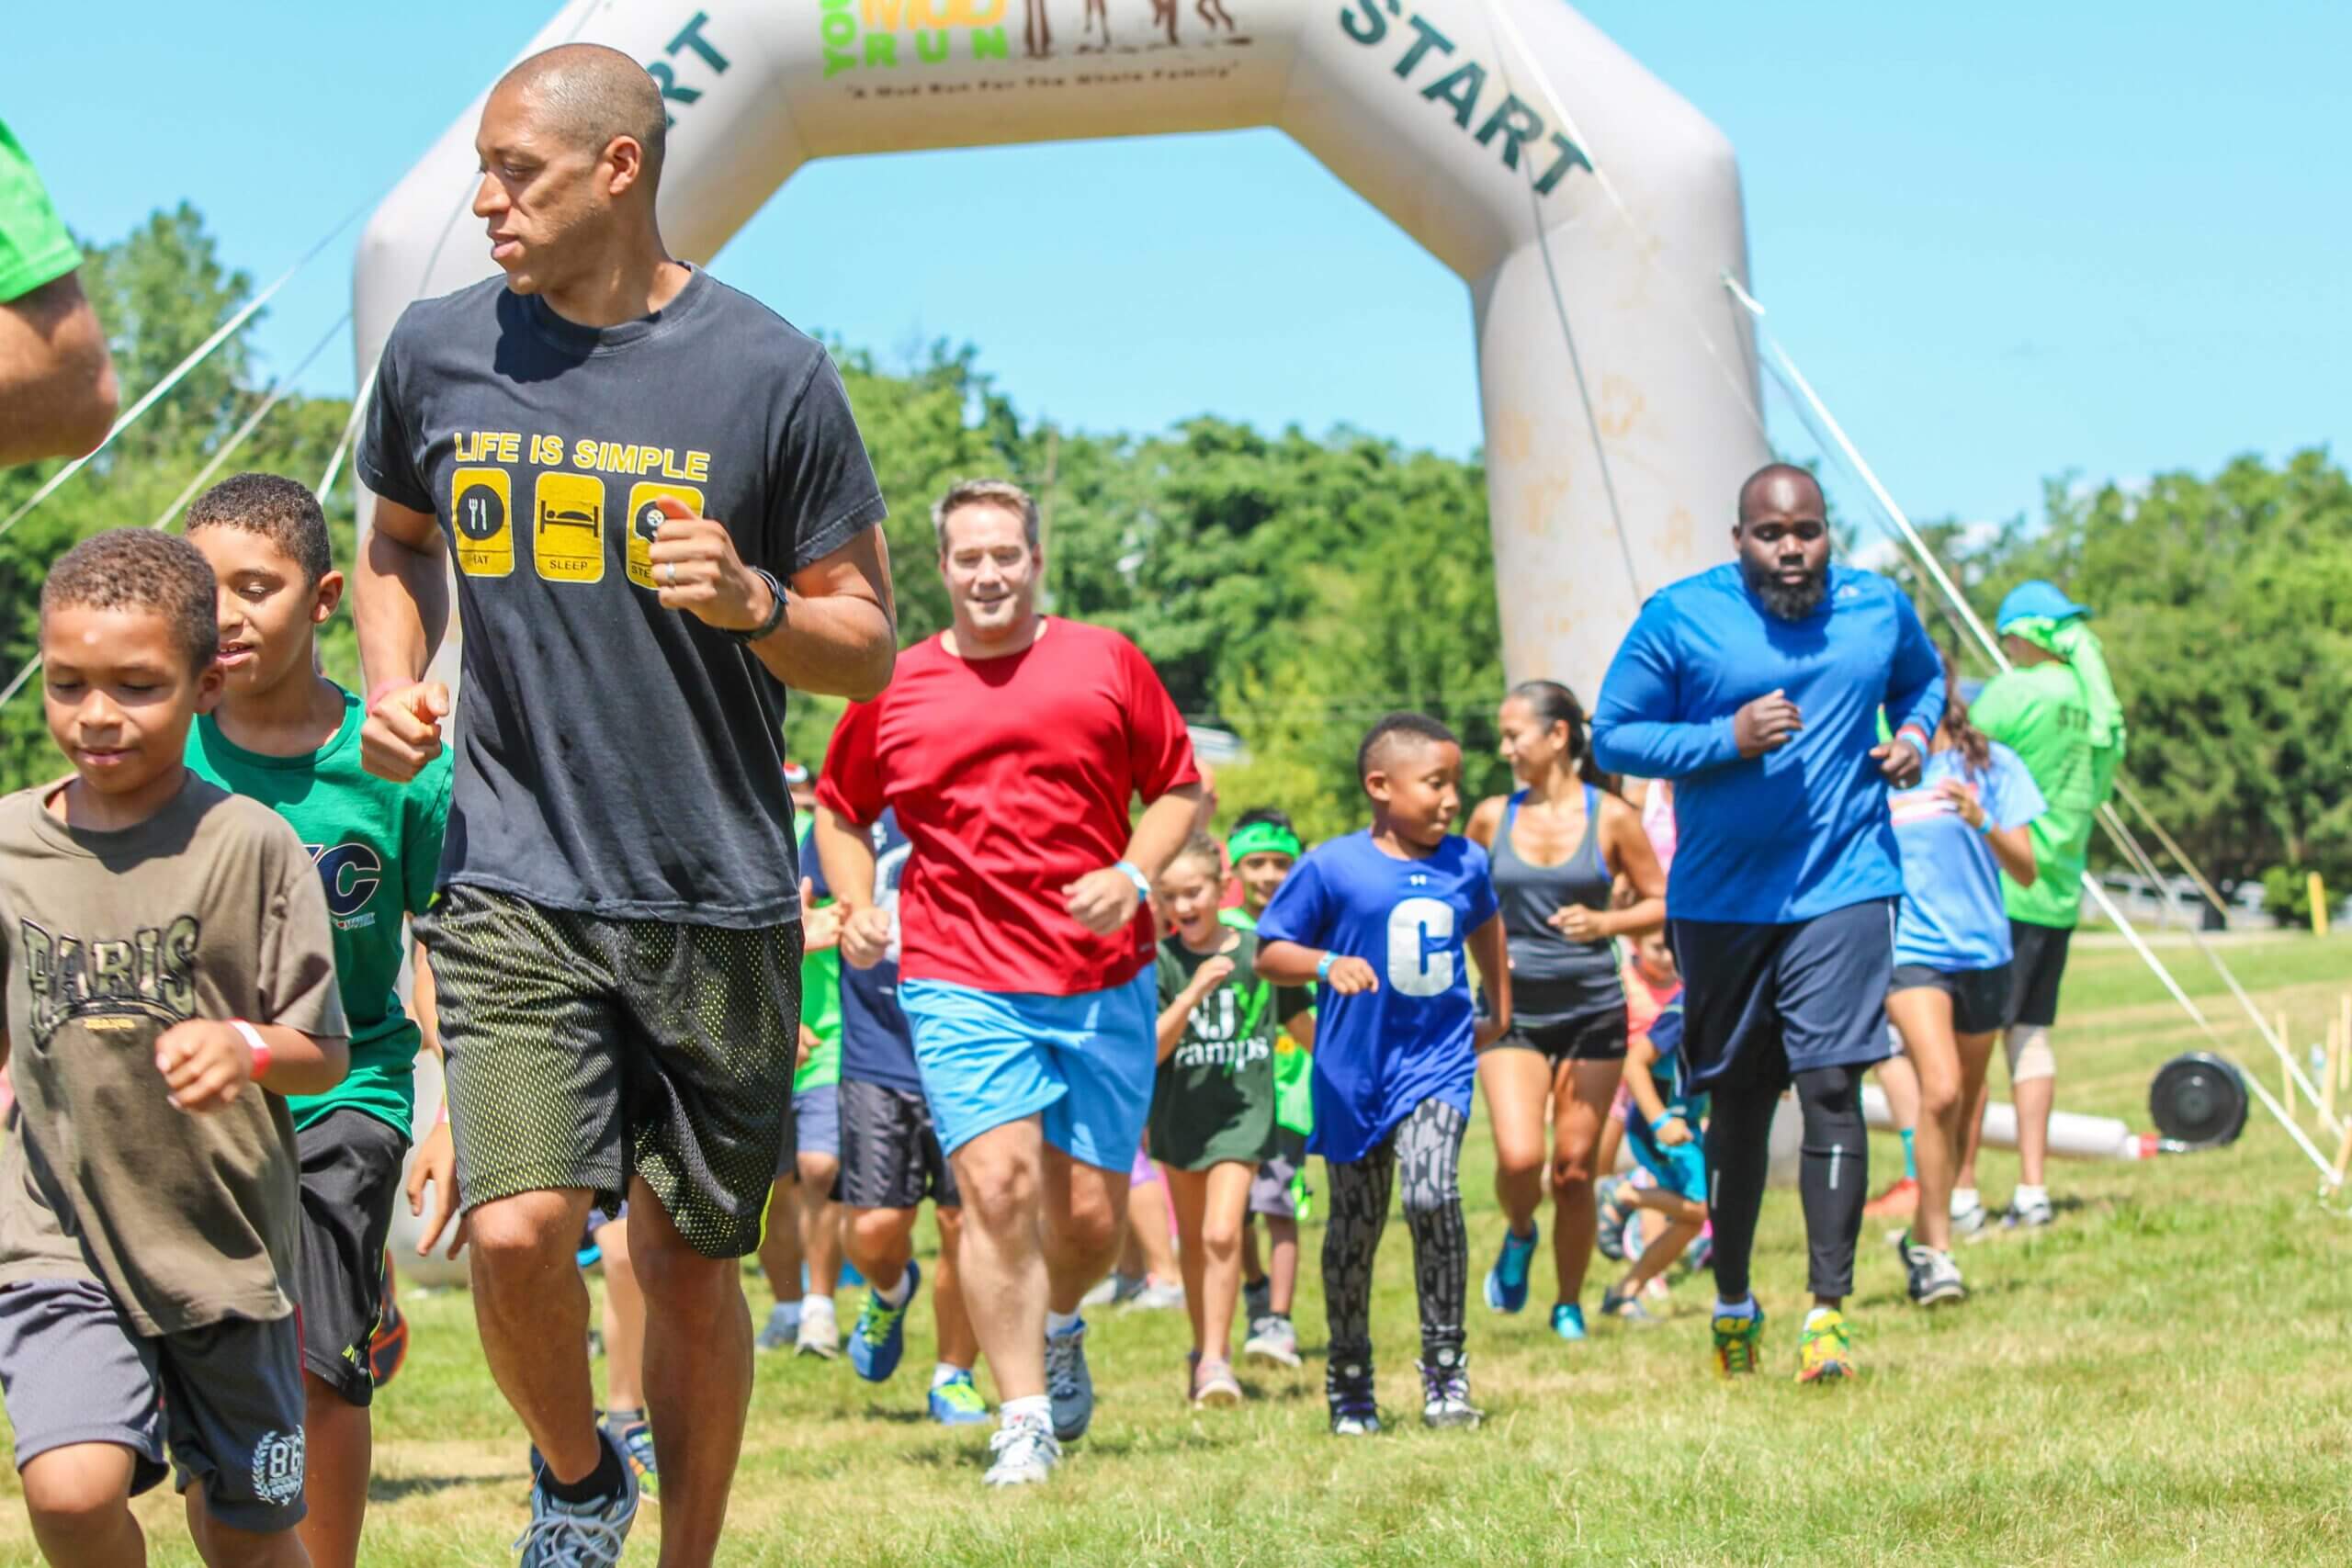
x=782, y=1328
x=1627, y=1309
x=821, y=1330
x=2028, y=1212
x=1273, y=1338
x=1739, y=1341
x=1825, y=1351
x=957, y=1402
x=1611, y=1238
x=1215, y=1387
x=1446, y=1391
x=1354, y=1411
x=1968, y=1218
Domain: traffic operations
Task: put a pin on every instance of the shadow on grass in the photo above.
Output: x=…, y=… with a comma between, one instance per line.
x=399, y=1488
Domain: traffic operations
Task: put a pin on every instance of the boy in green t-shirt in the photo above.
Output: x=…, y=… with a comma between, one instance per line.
x=168, y=979
x=287, y=737
x=1264, y=847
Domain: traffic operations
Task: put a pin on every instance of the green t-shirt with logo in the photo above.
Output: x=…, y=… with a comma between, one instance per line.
x=1215, y=1098
x=377, y=848
x=34, y=245
x=2038, y=711
x=1293, y=1064
x=820, y=1005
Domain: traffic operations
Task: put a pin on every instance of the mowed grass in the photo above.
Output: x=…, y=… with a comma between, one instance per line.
x=2162, y=1376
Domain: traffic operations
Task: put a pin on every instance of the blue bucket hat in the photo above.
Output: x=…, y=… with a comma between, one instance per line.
x=2037, y=599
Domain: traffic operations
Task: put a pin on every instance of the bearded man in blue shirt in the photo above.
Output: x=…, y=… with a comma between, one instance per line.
x=1757, y=687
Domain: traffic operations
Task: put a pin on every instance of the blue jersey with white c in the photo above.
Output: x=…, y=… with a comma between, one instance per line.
x=1380, y=1054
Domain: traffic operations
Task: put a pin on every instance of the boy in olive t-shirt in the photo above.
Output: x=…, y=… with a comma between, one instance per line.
x=287, y=737
x=169, y=978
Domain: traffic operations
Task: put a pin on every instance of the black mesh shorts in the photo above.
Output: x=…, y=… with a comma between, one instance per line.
x=582, y=1051
x=890, y=1156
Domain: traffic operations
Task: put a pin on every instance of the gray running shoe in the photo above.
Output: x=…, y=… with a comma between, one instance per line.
x=1113, y=1290
x=2027, y=1216
x=1446, y=1391
x=1354, y=1411
x=1968, y=1221
x=577, y=1535
x=1934, y=1278
x=1627, y=1309
x=1022, y=1453
x=1273, y=1338
x=1156, y=1296
x=782, y=1327
x=1069, y=1384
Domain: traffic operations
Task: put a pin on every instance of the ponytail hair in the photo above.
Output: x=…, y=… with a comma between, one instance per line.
x=1974, y=748
x=1554, y=703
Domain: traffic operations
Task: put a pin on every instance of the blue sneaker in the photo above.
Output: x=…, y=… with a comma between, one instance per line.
x=1568, y=1321
x=879, y=1337
x=958, y=1402
x=1069, y=1383
x=577, y=1535
x=1507, y=1281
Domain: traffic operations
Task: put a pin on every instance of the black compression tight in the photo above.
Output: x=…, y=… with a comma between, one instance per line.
x=1833, y=1179
x=1426, y=1150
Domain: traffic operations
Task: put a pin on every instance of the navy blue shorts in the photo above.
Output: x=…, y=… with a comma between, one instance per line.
x=1762, y=1002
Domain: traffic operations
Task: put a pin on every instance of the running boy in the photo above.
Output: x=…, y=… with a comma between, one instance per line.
x=1384, y=920
x=1213, y=1108
x=167, y=961
x=287, y=737
x=1264, y=847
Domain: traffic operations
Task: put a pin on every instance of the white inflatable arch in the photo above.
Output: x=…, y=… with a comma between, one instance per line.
x=1618, y=384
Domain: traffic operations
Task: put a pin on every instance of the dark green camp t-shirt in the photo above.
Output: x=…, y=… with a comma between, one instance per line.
x=376, y=845
x=613, y=755
x=1215, y=1097
x=207, y=910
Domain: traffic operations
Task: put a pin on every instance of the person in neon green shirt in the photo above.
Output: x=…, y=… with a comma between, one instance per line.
x=287, y=737
x=804, y=1222
x=57, y=384
x=2056, y=708
x=1264, y=847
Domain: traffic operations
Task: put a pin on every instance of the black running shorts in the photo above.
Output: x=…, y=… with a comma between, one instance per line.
x=890, y=1156
x=351, y=1175
x=1763, y=1002
x=2034, y=973
x=1980, y=998
x=1596, y=1036
x=582, y=1051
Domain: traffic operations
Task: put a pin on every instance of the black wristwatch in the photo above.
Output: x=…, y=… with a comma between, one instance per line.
x=775, y=611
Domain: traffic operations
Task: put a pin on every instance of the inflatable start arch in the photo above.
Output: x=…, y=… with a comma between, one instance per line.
x=1618, y=382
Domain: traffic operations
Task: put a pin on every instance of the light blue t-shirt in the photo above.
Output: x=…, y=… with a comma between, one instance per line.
x=1797, y=832
x=1380, y=1054
x=1952, y=916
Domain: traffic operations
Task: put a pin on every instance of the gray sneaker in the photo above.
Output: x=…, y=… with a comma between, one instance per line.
x=1113, y=1290
x=1069, y=1384
x=1273, y=1338
x=2026, y=1216
x=577, y=1535
x=1934, y=1278
x=1022, y=1453
x=1968, y=1221
x=1446, y=1391
x=1157, y=1296
x=782, y=1327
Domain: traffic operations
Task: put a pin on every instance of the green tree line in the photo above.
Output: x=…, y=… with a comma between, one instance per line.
x=1291, y=588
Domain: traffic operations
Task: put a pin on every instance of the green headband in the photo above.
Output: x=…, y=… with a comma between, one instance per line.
x=1263, y=838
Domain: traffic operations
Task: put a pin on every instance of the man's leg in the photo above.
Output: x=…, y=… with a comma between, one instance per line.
x=531, y=1309
x=697, y=1376
x=1739, y=1151
x=1833, y=1178
x=1002, y=1255
x=959, y=1346
x=1899, y=1077
x=2034, y=1083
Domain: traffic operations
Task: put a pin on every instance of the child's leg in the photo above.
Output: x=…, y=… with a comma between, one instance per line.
x=1359, y=1194
x=780, y=1253
x=1226, y=1205
x=959, y=1346
x=1684, y=1221
x=1429, y=1155
x=79, y=1497
x=623, y=1321
x=1147, y=1218
x=1253, y=1268
x=820, y=1221
x=338, y=1452
x=225, y=1546
x=1282, y=1263
x=1189, y=1189
x=233, y=1411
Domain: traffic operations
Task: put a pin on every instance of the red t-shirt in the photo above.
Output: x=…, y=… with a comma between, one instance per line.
x=1012, y=778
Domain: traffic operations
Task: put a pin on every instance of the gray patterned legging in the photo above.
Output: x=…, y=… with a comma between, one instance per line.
x=1427, y=1148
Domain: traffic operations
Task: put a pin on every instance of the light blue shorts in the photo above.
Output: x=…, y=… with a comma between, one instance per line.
x=1083, y=1064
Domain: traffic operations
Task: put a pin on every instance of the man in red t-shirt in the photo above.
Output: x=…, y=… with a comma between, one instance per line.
x=1013, y=746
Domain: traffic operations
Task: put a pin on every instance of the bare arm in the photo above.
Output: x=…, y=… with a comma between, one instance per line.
x=400, y=601
x=839, y=634
x=1631, y=855
x=2013, y=851
x=425, y=1002
x=1105, y=899
x=1302, y=1029
x=1486, y=821
x=58, y=393
x=205, y=1063
x=1490, y=951
x=847, y=855
x=1639, y=1056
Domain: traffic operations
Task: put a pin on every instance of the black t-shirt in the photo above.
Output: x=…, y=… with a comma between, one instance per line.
x=613, y=755
x=877, y=1045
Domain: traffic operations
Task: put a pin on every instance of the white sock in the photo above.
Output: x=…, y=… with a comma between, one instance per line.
x=2025, y=1195
x=1815, y=1313
x=896, y=1296
x=1060, y=1322
x=1963, y=1198
x=946, y=1373
x=1735, y=1309
x=1033, y=1406
x=816, y=1306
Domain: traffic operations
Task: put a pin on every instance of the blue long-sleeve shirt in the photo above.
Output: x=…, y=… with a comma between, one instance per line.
x=1803, y=831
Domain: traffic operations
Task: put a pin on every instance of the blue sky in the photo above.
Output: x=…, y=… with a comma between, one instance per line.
x=2005, y=241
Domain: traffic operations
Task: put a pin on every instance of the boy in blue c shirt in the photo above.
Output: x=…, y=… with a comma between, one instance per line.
x=1385, y=919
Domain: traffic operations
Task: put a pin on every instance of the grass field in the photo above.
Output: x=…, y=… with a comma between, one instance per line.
x=2162, y=1376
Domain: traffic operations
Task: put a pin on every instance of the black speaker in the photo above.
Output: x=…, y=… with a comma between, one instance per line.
x=2198, y=1100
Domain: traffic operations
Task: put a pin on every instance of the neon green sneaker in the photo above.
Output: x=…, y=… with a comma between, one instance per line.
x=1825, y=1351
x=1739, y=1342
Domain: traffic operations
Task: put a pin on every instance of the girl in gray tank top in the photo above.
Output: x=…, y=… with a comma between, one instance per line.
x=1556, y=1070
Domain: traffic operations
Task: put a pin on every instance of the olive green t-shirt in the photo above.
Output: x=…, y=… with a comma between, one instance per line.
x=1215, y=1097
x=34, y=245
x=2038, y=711
x=207, y=910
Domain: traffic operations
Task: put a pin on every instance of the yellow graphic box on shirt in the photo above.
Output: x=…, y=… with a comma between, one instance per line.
x=645, y=520
x=567, y=527
x=481, y=515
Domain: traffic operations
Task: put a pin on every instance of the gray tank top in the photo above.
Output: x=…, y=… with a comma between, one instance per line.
x=1553, y=978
